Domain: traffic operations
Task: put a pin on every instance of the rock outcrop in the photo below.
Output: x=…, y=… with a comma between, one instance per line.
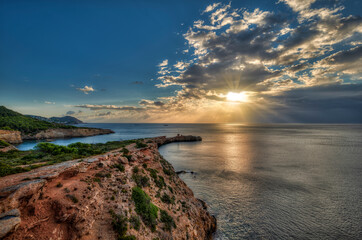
x=13, y=137
x=79, y=199
x=67, y=133
x=9, y=222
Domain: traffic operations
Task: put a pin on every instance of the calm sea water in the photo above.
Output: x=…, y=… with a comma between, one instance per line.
x=266, y=181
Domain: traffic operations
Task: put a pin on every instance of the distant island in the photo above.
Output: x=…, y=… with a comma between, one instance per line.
x=16, y=127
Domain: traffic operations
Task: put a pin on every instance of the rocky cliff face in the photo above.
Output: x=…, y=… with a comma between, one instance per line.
x=95, y=198
x=13, y=137
x=67, y=133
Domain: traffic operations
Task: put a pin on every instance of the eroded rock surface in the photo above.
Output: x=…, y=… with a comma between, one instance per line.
x=13, y=137
x=73, y=200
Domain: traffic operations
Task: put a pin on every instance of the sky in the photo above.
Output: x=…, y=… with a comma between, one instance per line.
x=247, y=61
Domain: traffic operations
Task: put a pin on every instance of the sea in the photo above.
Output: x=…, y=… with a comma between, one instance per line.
x=264, y=181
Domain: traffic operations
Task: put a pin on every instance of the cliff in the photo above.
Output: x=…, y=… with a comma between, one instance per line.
x=13, y=137
x=128, y=193
x=66, y=133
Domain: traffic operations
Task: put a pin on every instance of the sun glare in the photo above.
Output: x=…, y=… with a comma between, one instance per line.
x=237, y=97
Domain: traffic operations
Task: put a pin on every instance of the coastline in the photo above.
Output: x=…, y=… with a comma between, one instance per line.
x=189, y=214
x=16, y=137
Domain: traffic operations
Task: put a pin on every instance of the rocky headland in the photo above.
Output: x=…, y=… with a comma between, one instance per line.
x=66, y=133
x=16, y=137
x=127, y=193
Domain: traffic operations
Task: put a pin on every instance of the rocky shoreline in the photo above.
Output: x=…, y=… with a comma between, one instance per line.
x=74, y=199
x=16, y=137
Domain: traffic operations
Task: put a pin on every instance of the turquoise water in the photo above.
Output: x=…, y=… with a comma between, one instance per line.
x=266, y=181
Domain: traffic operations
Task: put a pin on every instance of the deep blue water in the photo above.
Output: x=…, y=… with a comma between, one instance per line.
x=266, y=181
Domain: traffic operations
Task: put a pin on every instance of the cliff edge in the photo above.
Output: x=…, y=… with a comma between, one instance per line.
x=127, y=193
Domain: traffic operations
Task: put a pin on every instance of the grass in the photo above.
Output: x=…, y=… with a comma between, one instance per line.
x=147, y=210
x=49, y=153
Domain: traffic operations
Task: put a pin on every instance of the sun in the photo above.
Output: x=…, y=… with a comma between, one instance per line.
x=237, y=97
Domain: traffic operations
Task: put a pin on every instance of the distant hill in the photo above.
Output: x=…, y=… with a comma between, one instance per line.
x=64, y=120
x=11, y=120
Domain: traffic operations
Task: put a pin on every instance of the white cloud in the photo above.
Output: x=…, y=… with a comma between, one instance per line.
x=164, y=63
x=48, y=102
x=211, y=7
x=86, y=89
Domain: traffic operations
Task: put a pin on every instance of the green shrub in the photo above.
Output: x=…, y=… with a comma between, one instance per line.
x=119, y=224
x=167, y=199
x=59, y=185
x=135, y=169
x=3, y=143
x=145, y=208
x=141, y=181
x=167, y=220
x=135, y=222
x=120, y=167
x=125, y=150
x=140, y=145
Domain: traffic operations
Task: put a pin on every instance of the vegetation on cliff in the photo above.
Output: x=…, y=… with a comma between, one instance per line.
x=49, y=153
x=11, y=120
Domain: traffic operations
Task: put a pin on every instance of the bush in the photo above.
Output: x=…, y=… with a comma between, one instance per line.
x=119, y=224
x=166, y=199
x=3, y=143
x=140, y=145
x=141, y=181
x=145, y=208
x=120, y=167
x=135, y=222
x=125, y=150
x=167, y=220
x=135, y=169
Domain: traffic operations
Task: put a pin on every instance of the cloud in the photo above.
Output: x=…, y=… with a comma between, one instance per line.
x=211, y=7
x=104, y=114
x=112, y=107
x=70, y=113
x=298, y=5
x=48, y=102
x=292, y=64
x=163, y=63
x=145, y=102
x=86, y=89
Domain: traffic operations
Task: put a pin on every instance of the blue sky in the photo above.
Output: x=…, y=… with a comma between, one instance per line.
x=99, y=60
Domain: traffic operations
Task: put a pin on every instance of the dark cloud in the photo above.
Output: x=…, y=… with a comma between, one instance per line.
x=151, y=103
x=112, y=107
x=104, y=114
x=70, y=113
